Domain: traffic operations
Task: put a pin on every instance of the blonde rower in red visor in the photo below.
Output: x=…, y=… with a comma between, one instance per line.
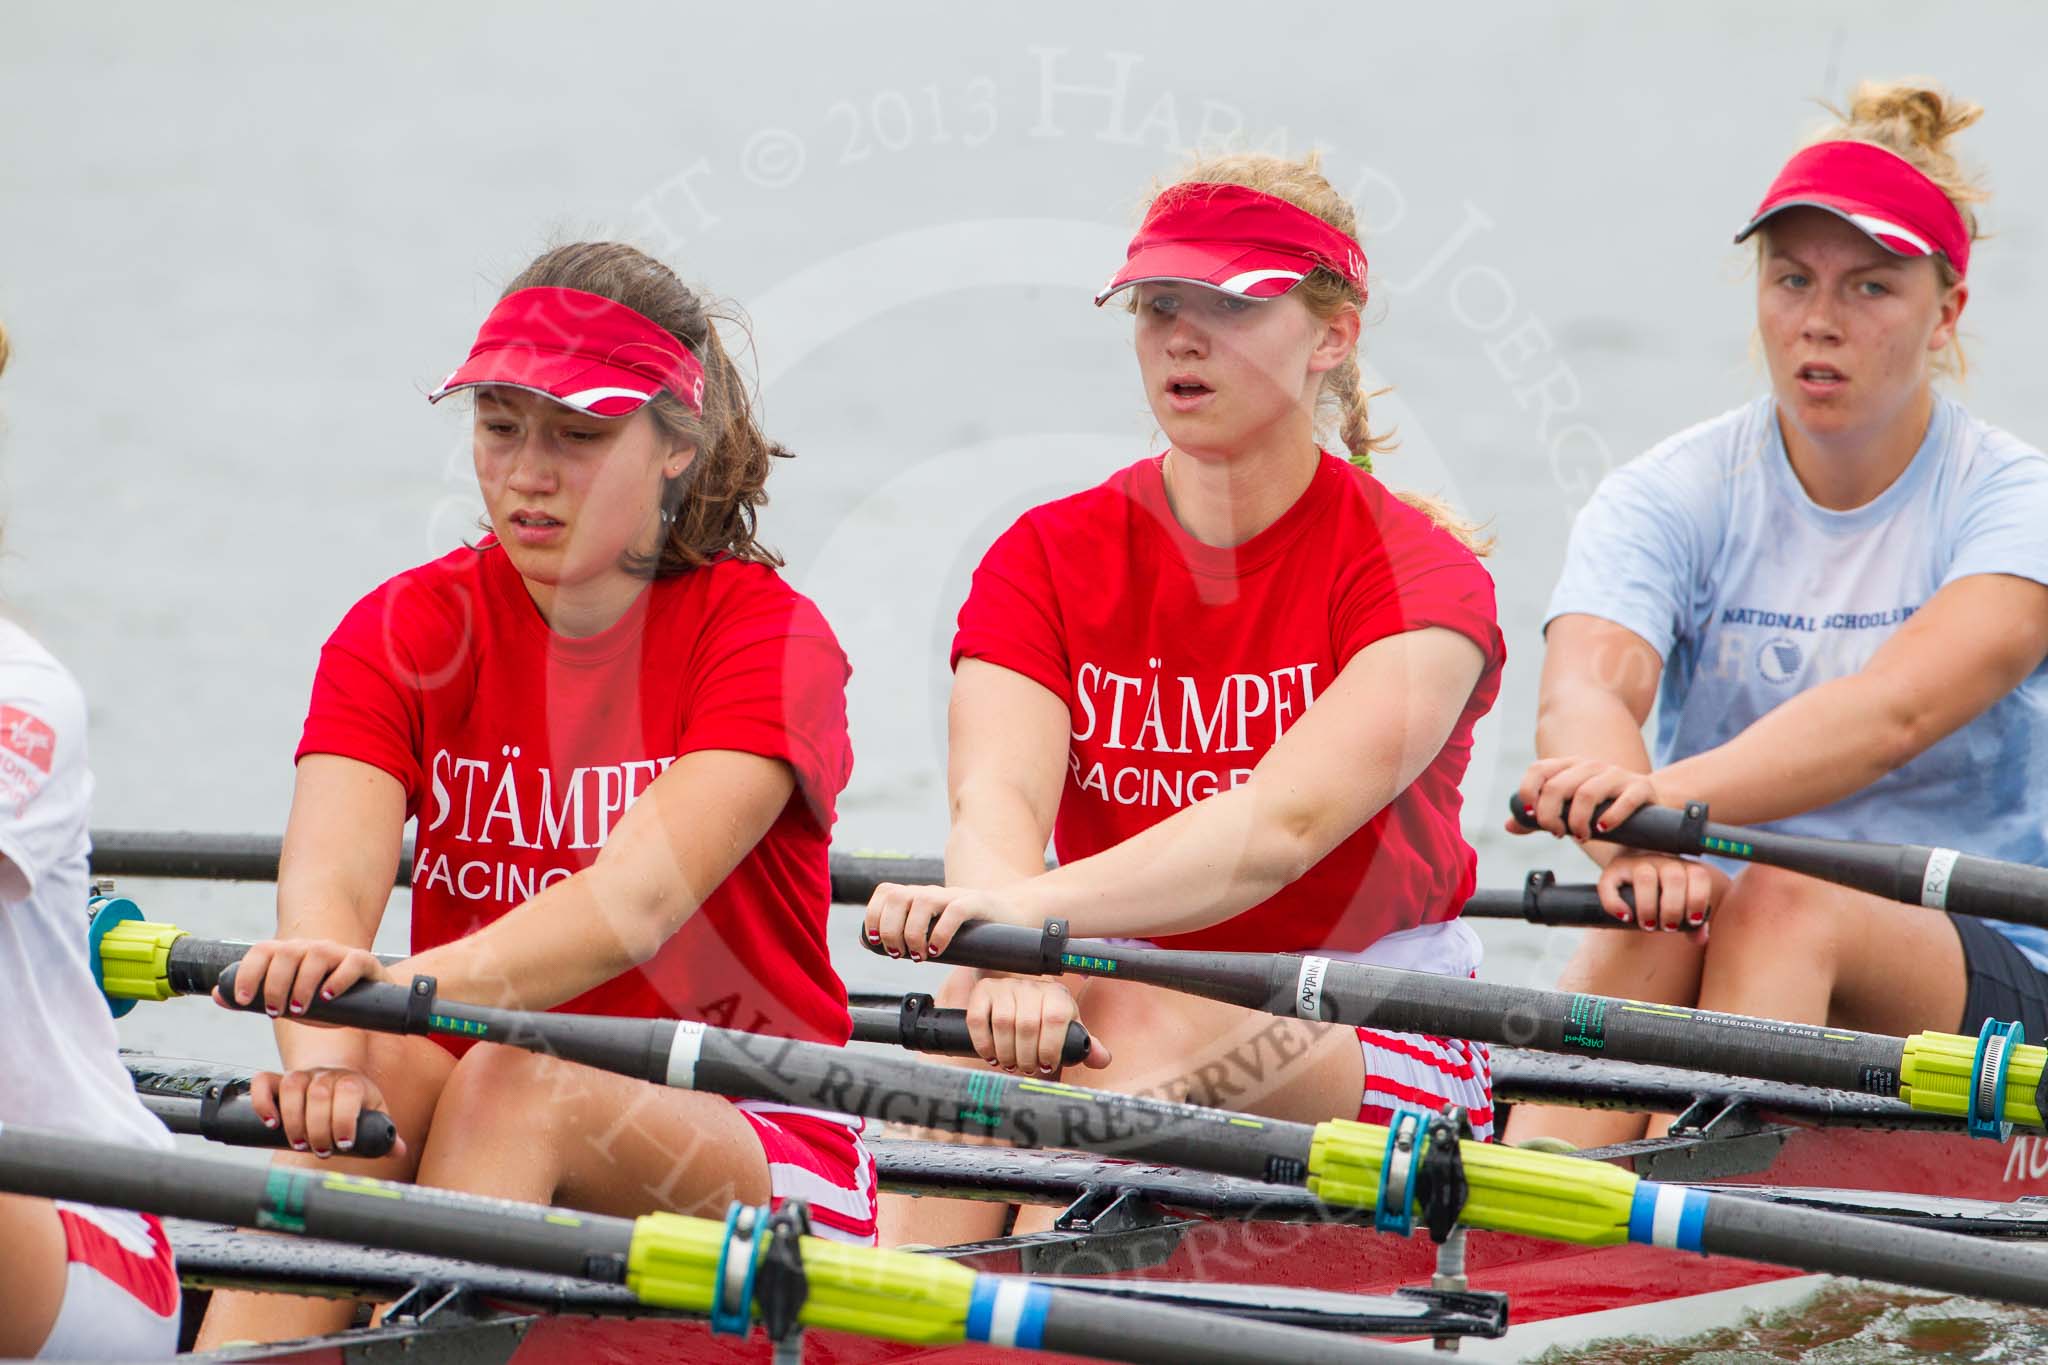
x=1235, y=684
x=1836, y=598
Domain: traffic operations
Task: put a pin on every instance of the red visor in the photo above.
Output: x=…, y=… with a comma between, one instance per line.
x=1879, y=191
x=1234, y=239
x=582, y=350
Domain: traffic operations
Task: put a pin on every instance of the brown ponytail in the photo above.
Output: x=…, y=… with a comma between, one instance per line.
x=709, y=509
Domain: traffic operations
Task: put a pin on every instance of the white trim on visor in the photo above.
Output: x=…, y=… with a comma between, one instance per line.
x=1870, y=225
x=581, y=400
x=1236, y=284
x=1878, y=227
x=585, y=398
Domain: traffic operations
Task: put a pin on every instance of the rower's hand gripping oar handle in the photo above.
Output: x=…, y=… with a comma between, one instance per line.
x=1004, y=948
x=922, y=1027
x=228, y=1116
x=1541, y=899
x=375, y=1005
x=1911, y=874
x=1653, y=829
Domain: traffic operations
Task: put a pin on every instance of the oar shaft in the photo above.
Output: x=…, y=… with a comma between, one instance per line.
x=663, y=1258
x=193, y=964
x=1343, y=1163
x=894, y=1088
x=1144, y=1333
x=315, y=1203
x=1899, y=1253
x=1381, y=997
x=1912, y=874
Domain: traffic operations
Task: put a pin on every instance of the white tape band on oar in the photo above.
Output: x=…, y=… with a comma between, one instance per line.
x=1308, y=987
x=1941, y=865
x=1005, y=1312
x=683, y=1053
x=1667, y=1216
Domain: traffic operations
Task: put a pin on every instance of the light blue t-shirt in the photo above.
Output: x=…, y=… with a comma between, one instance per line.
x=1709, y=548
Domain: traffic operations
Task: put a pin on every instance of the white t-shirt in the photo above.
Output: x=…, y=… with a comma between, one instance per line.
x=60, y=1068
x=1709, y=548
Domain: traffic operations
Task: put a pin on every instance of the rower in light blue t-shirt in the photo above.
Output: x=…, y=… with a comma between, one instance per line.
x=1709, y=549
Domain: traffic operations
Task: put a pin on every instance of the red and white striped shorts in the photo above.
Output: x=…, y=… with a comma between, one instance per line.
x=120, y=1288
x=818, y=1157
x=1423, y=1072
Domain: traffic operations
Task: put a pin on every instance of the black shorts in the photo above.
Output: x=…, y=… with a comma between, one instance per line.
x=2003, y=983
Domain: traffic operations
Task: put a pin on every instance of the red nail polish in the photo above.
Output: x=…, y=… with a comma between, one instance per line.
x=326, y=994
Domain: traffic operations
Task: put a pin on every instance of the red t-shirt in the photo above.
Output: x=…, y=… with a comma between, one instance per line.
x=1181, y=664
x=519, y=749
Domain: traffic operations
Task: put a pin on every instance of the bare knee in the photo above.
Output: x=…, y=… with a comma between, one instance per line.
x=1768, y=903
x=492, y=1081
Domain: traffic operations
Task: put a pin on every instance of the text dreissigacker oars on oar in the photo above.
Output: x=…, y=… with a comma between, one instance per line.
x=1415, y=1168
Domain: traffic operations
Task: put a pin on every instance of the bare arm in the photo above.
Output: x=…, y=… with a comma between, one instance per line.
x=1974, y=641
x=334, y=878
x=1007, y=747
x=684, y=836
x=1366, y=738
x=1599, y=683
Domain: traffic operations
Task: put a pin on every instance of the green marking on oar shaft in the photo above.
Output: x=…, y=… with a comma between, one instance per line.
x=1586, y=1023
x=1732, y=847
x=284, y=1201
x=442, y=1023
x=1083, y=962
x=986, y=1091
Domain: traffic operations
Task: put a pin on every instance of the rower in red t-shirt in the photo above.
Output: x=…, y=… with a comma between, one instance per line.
x=622, y=736
x=1236, y=685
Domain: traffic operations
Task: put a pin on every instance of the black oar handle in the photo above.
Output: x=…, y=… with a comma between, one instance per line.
x=376, y=1005
x=1541, y=899
x=922, y=1027
x=1911, y=874
x=1003, y=947
x=228, y=1116
x=1653, y=829
x=193, y=964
